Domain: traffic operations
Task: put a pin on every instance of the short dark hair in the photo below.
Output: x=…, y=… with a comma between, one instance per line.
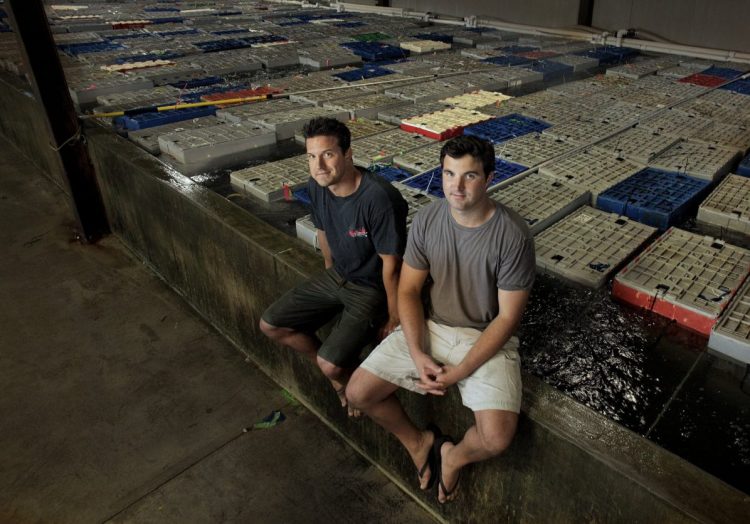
x=470, y=145
x=324, y=126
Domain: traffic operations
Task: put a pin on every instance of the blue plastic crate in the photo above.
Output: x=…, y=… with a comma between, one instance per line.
x=608, y=54
x=501, y=129
x=508, y=60
x=302, y=195
x=228, y=13
x=741, y=87
x=374, y=51
x=211, y=46
x=744, y=167
x=723, y=72
x=430, y=181
x=391, y=173
x=550, y=69
x=264, y=39
x=90, y=47
x=128, y=36
x=149, y=56
x=654, y=197
x=229, y=32
x=435, y=37
x=146, y=120
x=505, y=170
x=177, y=32
x=167, y=20
x=363, y=73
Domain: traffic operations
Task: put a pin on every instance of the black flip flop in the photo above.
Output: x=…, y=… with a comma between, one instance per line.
x=431, y=461
x=436, y=447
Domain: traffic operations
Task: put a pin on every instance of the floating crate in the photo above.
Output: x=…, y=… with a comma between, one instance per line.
x=638, y=145
x=538, y=55
x=364, y=106
x=578, y=63
x=427, y=91
x=507, y=60
x=381, y=148
x=363, y=73
x=371, y=37
x=725, y=135
x=391, y=173
x=415, y=198
x=619, y=113
x=432, y=182
x=276, y=57
x=215, y=144
x=727, y=98
x=551, y=70
x=273, y=180
x=504, y=128
x=608, y=55
x=302, y=195
x=532, y=149
x=588, y=245
x=676, y=72
x=242, y=113
x=581, y=133
x=476, y=99
x=307, y=232
x=421, y=159
x=424, y=46
x=728, y=206
x=140, y=98
x=594, y=169
x=703, y=80
x=443, y=124
x=731, y=334
x=263, y=91
x=327, y=56
x=397, y=114
x=286, y=123
x=148, y=139
x=741, y=87
x=375, y=51
x=153, y=119
x=540, y=199
x=686, y=277
x=655, y=197
x=675, y=123
x=699, y=160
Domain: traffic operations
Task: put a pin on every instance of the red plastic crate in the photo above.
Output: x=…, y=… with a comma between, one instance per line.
x=537, y=55
x=131, y=25
x=700, y=79
x=688, y=318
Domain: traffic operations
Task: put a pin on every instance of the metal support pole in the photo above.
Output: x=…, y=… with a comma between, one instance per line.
x=586, y=12
x=50, y=88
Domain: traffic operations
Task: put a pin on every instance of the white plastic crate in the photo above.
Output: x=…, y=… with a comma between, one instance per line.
x=578, y=63
x=675, y=123
x=731, y=335
x=415, y=198
x=725, y=135
x=270, y=181
x=540, y=199
x=85, y=89
x=286, y=123
x=307, y=232
x=242, y=113
x=684, y=276
x=637, y=144
x=696, y=159
x=445, y=123
x=148, y=139
x=620, y=113
x=728, y=206
x=421, y=159
x=139, y=98
x=213, y=144
x=594, y=169
x=426, y=91
x=588, y=245
x=397, y=114
x=476, y=99
x=366, y=106
x=425, y=46
x=276, y=57
x=381, y=148
x=581, y=133
x=532, y=149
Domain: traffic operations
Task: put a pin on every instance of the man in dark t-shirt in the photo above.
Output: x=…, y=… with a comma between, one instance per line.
x=361, y=223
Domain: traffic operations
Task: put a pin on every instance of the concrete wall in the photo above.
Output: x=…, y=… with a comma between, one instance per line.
x=721, y=24
x=566, y=464
x=24, y=124
x=548, y=13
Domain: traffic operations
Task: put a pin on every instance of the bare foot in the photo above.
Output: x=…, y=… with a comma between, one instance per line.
x=422, y=459
x=450, y=475
x=340, y=390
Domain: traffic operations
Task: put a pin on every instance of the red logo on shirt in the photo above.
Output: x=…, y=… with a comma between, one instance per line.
x=358, y=233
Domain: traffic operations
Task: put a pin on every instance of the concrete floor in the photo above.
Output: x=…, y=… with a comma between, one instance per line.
x=120, y=404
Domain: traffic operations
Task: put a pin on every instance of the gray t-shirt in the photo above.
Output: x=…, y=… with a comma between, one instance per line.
x=469, y=264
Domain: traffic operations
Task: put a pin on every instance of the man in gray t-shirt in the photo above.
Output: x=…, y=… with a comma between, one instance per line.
x=477, y=257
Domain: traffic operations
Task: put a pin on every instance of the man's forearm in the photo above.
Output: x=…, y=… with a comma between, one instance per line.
x=492, y=340
x=412, y=320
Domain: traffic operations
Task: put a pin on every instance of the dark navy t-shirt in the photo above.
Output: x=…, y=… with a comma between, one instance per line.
x=358, y=227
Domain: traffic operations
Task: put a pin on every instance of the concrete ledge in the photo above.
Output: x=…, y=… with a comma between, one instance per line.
x=567, y=462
